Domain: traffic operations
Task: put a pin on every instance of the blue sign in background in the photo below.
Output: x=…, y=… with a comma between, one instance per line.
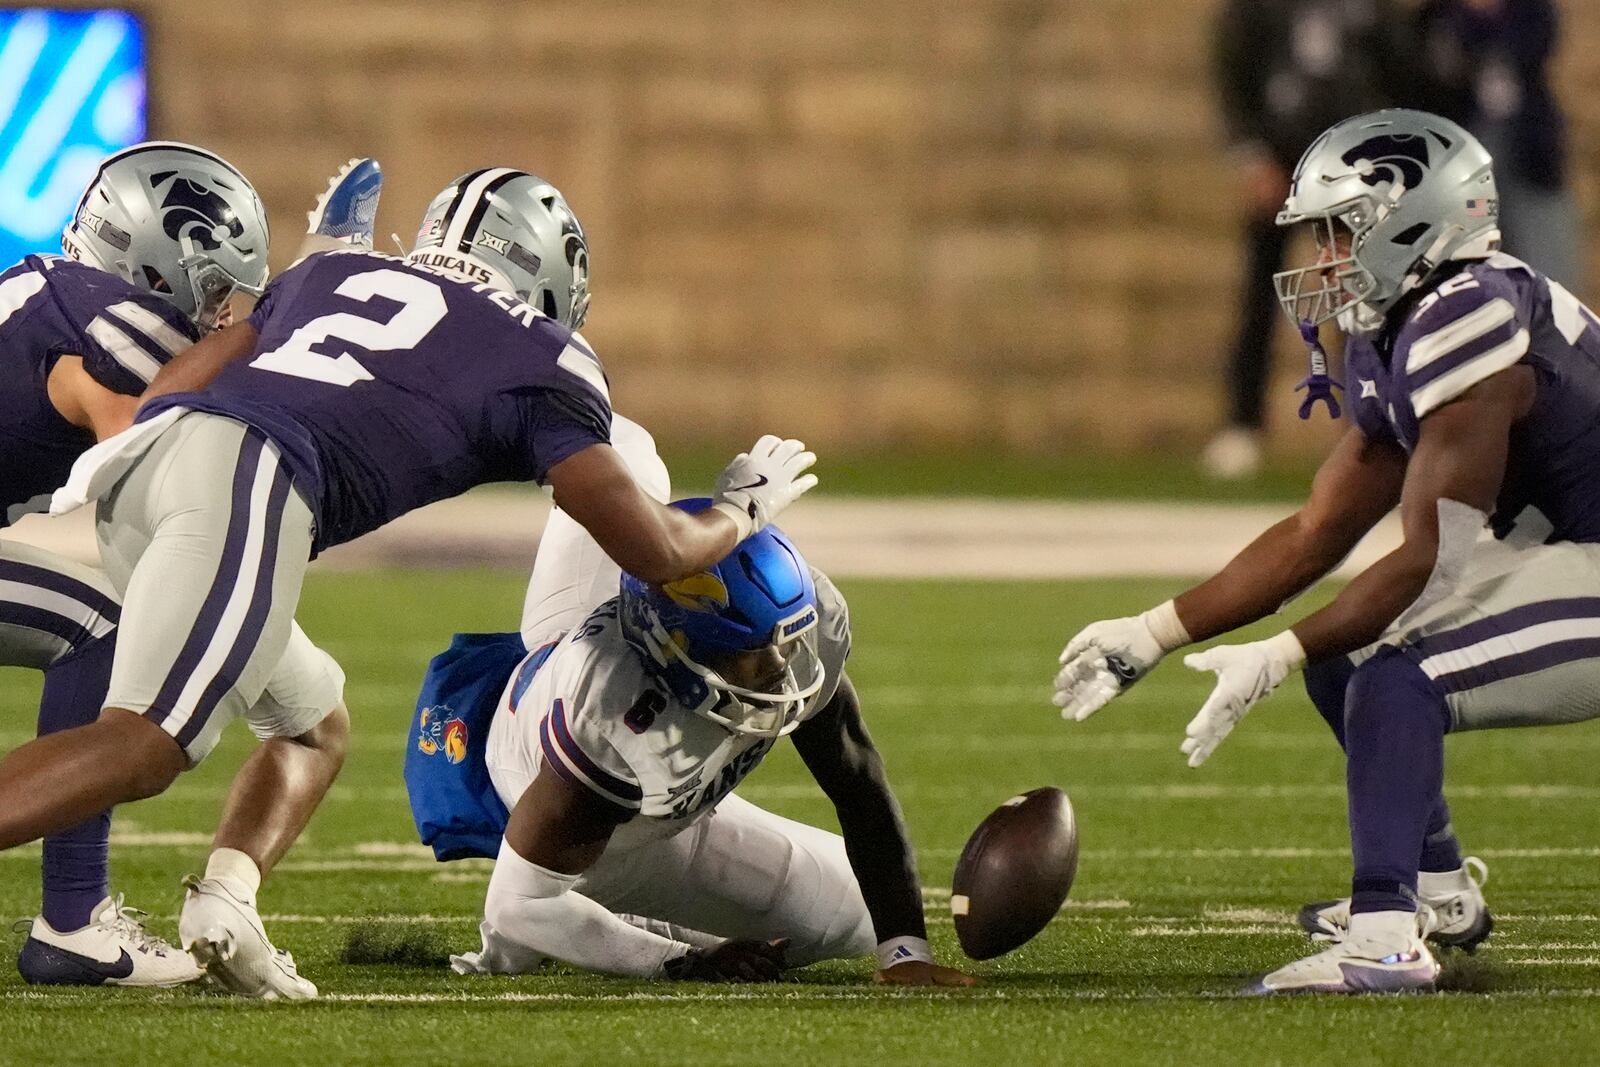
x=71, y=91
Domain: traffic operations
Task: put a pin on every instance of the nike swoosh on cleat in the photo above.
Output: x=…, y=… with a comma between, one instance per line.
x=55, y=958
x=120, y=969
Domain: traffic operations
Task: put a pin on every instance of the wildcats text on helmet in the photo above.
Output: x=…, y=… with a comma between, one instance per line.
x=442, y=265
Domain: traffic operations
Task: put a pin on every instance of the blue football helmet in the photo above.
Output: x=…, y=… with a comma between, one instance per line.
x=760, y=594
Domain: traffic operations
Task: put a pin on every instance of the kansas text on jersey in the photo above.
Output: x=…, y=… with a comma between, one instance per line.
x=594, y=715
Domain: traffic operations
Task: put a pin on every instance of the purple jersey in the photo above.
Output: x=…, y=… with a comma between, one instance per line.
x=1489, y=316
x=388, y=386
x=52, y=307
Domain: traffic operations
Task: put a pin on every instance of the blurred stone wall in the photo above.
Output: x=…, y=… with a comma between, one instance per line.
x=871, y=222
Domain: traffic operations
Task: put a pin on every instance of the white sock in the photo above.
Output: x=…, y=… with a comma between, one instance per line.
x=236, y=867
x=1431, y=884
x=1390, y=931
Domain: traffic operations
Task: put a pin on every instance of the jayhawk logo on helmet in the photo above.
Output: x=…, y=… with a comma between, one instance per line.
x=442, y=730
x=698, y=592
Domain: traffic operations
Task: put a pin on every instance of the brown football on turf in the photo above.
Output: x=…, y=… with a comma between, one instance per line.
x=1014, y=873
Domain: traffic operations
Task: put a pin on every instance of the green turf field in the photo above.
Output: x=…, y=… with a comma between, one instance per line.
x=1070, y=472
x=1186, y=885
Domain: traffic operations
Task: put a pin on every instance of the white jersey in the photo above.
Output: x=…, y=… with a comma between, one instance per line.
x=594, y=713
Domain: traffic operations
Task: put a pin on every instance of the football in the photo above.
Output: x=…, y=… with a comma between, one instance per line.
x=1014, y=873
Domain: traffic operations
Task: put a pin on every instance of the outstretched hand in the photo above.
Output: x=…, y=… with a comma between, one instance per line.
x=733, y=961
x=1104, y=659
x=1245, y=675
x=760, y=483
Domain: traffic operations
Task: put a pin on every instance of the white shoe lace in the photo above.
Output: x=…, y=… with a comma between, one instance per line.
x=1477, y=871
x=125, y=923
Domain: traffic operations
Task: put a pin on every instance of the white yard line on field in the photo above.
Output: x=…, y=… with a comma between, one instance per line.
x=778, y=998
x=912, y=537
x=404, y=856
x=1202, y=930
x=983, y=791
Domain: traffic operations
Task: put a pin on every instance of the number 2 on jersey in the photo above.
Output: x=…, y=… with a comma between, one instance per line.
x=421, y=307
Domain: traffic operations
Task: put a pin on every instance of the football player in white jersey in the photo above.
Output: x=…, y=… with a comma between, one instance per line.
x=742, y=854
x=610, y=760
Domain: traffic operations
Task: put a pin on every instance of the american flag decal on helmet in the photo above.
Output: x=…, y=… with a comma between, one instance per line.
x=1479, y=209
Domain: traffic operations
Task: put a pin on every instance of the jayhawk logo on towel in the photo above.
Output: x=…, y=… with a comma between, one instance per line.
x=443, y=730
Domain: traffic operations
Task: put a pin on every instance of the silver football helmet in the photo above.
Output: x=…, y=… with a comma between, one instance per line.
x=1411, y=191
x=514, y=231
x=176, y=220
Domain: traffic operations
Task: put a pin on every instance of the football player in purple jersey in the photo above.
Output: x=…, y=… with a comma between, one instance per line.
x=362, y=386
x=163, y=238
x=1475, y=387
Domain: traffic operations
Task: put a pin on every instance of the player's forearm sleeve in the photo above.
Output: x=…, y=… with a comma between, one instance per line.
x=537, y=908
x=674, y=932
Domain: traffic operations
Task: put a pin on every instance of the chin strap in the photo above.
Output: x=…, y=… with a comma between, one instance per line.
x=1317, y=384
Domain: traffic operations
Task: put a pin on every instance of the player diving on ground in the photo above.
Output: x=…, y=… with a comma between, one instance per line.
x=601, y=777
x=1475, y=387
x=688, y=865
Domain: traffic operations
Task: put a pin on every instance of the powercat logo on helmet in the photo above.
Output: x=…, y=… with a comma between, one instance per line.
x=1392, y=158
x=190, y=209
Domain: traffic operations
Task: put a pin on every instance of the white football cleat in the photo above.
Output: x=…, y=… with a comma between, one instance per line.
x=1382, y=953
x=114, y=949
x=221, y=929
x=1461, y=916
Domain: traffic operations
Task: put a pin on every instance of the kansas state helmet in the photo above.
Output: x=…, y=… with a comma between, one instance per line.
x=760, y=594
x=514, y=231
x=1411, y=189
x=176, y=220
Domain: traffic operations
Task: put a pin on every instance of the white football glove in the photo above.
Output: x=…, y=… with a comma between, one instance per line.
x=1245, y=674
x=760, y=483
x=1107, y=657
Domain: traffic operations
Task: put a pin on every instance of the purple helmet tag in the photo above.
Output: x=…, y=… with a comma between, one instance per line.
x=1317, y=384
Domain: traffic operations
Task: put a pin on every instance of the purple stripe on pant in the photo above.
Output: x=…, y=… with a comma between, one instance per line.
x=56, y=582
x=1514, y=666
x=227, y=576
x=255, y=618
x=1582, y=607
x=44, y=621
